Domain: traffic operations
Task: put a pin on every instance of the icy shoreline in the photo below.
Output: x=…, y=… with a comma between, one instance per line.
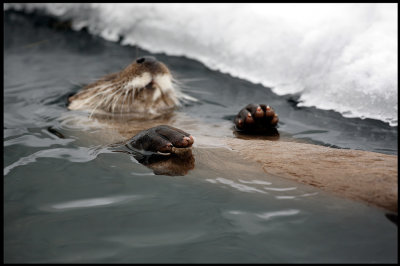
x=338, y=57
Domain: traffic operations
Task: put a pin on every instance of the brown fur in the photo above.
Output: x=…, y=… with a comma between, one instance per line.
x=126, y=99
x=360, y=175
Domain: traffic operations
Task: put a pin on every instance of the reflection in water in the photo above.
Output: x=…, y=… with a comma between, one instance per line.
x=269, y=134
x=174, y=164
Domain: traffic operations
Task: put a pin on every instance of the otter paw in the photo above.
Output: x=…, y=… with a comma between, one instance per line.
x=162, y=139
x=256, y=117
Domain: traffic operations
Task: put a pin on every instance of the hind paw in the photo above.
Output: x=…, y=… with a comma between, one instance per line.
x=163, y=139
x=256, y=117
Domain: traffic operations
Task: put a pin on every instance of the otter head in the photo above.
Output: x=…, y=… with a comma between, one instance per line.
x=144, y=88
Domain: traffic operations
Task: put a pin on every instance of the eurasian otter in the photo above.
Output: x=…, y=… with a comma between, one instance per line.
x=145, y=90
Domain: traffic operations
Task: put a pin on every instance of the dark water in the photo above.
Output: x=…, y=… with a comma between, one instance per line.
x=66, y=200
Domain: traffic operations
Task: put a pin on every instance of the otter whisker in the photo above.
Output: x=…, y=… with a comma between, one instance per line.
x=104, y=97
x=116, y=100
x=130, y=91
x=123, y=90
x=88, y=100
x=98, y=104
x=90, y=116
x=101, y=100
x=123, y=102
x=133, y=96
x=187, y=79
x=109, y=98
x=162, y=95
x=104, y=92
x=181, y=83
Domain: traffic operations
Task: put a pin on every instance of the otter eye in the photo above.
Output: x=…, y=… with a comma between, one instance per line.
x=140, y=60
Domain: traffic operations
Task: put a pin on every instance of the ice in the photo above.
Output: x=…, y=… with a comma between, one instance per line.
x=335, y=56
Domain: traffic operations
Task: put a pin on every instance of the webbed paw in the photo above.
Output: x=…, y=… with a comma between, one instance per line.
x=256, y=117
x=162, y=139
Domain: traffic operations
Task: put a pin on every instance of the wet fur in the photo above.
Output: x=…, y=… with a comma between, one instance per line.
x=141, y=89
x=360, y=175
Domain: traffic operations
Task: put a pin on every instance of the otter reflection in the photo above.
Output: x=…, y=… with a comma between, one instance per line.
x=267, y=134
x=174, y=164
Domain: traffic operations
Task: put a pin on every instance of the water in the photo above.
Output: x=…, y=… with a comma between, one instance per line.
x=340, y=57
x=74, y=200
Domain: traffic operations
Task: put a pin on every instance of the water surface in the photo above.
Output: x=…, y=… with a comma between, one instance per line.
x=74, y=200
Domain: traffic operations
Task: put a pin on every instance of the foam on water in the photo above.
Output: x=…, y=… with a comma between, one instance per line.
x=334, y=56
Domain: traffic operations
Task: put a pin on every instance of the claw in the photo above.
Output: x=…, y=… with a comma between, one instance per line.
x=259, y=112
x=167, y=148
x=269, y=113
x=187, y=141
x=274, y=120
x=191, y=140
x=249, y=119
x=240, y=123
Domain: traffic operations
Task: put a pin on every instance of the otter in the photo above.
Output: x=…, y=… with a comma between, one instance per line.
x=141, y=100
x=143, y=90
x=146, y=90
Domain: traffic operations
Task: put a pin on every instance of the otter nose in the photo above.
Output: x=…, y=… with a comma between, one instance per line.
x=149, y=59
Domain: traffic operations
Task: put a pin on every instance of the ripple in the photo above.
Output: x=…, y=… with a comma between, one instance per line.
x=285, y=197
x=80, y=154
x=254, y=223
x=267, y=215
x=258, y=182
x=33, y=141
x=280, y=189
x=11, y=132
x=88, y=203
x=142, y=174
x=270, y=215
x=158, y=238
x=309, y=194
x=235, y=185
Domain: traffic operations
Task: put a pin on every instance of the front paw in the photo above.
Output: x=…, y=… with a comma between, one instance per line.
x=161, y=139
x=256, y=117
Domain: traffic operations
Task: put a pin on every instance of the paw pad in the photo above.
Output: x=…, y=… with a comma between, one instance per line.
x=256, y=117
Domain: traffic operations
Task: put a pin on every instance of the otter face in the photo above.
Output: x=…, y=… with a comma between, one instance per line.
x=144, y=88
